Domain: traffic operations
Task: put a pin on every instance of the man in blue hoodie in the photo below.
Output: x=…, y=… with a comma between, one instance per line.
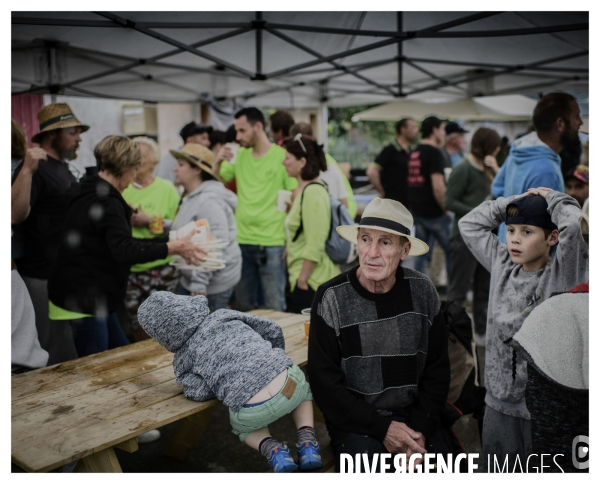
x=534, y=159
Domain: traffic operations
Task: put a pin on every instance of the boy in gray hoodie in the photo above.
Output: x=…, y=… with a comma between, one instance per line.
x=239, y=359
x=523, y=275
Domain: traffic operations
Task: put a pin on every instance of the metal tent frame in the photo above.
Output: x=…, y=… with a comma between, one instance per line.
x=548, y=70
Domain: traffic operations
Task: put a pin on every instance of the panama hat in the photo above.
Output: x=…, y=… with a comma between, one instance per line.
x=388, y=216
x=56, y=116
x=197, y=155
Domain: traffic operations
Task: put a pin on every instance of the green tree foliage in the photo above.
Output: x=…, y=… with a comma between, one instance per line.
x=357, y=142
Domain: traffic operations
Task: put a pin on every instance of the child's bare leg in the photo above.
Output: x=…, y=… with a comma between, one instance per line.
x=256, y=437
x=303, y=415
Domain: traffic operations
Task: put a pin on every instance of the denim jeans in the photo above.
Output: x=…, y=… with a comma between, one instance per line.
x=215, y=301
x=264, y=264
x=428, y=230
x=97, y=334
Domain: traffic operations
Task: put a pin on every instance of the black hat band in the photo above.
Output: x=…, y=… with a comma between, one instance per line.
x=56, y=119
x=385, y=223
x=202, y=162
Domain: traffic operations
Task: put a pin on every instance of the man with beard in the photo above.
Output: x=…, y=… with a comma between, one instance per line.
x=389, y=172
x=534, y=159
x=39, y=202
x=260, y=175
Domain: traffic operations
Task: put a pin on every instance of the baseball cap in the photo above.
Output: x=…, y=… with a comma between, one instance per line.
x=453, y=127
x=193, y=128
x=581, y=172
x=533, y=210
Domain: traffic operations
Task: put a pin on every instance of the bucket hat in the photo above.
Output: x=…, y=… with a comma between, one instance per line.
x=388, y=216
x=56, y=116
x=198, y=155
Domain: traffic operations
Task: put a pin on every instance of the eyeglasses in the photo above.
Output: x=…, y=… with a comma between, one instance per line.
x=298, y=138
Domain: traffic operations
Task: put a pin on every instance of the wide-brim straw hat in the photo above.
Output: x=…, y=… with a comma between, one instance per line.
x=197, y=155
x=56, y=116
x=388, y=216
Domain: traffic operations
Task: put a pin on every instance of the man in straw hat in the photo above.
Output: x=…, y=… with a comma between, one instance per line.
x=377, y=356
x=39, y=204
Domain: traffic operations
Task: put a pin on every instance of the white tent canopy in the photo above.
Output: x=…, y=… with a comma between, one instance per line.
x=511, y=107
x=298, y=59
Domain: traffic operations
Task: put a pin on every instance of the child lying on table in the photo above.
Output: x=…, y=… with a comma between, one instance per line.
x=239, y=359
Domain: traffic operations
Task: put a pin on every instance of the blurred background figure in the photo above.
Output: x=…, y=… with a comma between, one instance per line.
x=577, y=184
x=217, y=140
x=155, y=202
x=426, y=189
x=191, y=133
x=468, y=186
x=337, y=182
x=18, y=145
x=389, y=172
x=41, y=191
x=25, y=350
x=280, y=123
x=308, y=222
x=207, y=198
x=456, y=144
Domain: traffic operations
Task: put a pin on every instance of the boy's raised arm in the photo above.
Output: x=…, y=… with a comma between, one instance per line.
x=572, y=252
x=476, y=229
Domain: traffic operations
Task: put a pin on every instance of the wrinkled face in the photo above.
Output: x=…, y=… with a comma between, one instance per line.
x=199, y=139
x=293, y=165
x=579, y=190
x=184, y=172
x=527, y=244
x=66, y=143
x=379, y=254
x=246, y=133
x=148, y=164
x=410, y=131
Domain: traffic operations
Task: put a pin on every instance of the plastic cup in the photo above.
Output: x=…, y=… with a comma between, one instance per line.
x=234, y=147
x=282, y=197
x=306, y=312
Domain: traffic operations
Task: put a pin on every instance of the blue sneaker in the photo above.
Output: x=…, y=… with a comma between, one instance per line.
x=281, y=460
x=309, y=456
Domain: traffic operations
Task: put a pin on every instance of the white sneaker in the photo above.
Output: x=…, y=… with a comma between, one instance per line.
x=148, y=437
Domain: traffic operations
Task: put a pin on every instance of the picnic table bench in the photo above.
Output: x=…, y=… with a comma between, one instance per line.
x=82, y=409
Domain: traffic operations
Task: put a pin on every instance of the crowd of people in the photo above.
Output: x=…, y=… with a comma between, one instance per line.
x=92, y=269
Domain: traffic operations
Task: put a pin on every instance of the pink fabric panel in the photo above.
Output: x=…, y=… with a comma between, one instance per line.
x=24, y=109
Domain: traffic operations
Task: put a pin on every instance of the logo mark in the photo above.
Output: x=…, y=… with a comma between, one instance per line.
x=581, y=452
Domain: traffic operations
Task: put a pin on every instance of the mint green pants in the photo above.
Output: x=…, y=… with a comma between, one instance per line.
x=247, y=420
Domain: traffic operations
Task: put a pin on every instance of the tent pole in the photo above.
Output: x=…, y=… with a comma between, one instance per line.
x=259, y=25
x=323, y=126
x=399, y=19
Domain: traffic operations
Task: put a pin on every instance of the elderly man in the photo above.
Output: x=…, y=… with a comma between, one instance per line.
x=40, y=196
x=377, y=356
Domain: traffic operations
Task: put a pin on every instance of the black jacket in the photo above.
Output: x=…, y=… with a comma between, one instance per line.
x=97, y=250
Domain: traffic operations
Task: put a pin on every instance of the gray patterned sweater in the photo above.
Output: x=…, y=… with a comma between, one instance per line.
x=514, y=293
x=226, y=355
x=374, y=356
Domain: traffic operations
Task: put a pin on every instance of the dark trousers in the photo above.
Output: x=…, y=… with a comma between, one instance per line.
x=96, y=334
x=467, y=274
x=300, y=299
x=440, y=441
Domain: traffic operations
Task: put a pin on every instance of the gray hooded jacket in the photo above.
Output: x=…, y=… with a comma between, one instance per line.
x=216, y=204
x=226, y=355
x=514, y=293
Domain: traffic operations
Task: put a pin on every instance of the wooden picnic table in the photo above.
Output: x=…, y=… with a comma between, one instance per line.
x=83, y=408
